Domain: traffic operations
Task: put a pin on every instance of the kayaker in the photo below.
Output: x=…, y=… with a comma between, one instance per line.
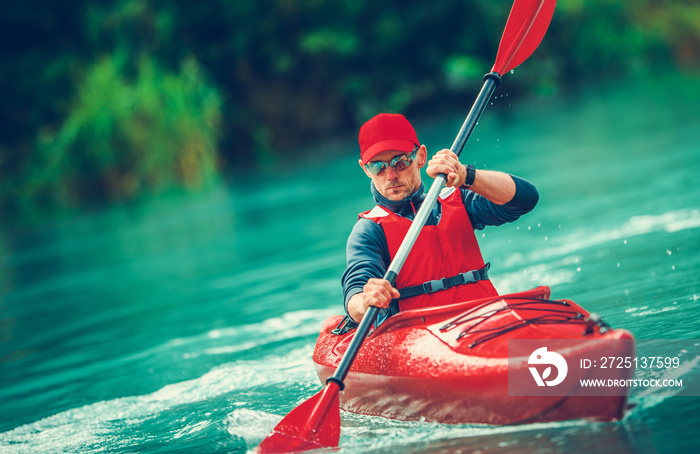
x=445, y=263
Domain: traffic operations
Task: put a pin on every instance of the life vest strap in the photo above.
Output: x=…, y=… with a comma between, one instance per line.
x=441, y=284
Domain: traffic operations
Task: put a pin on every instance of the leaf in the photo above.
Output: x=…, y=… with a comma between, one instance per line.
x=546, y=373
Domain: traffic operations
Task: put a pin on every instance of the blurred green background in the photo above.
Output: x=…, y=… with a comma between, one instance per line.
x=110, y=101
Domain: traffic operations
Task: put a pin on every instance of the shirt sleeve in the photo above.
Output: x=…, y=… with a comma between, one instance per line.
x=483, y=212
x=367, y=257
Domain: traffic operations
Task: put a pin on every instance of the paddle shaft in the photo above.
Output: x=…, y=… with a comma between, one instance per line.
x=492, y=81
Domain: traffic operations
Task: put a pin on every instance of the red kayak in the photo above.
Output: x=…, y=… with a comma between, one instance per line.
x=450, y=364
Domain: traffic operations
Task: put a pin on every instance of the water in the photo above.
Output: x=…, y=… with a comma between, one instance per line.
x=186, y=324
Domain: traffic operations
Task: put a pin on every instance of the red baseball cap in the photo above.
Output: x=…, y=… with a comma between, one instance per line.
x=386, y=132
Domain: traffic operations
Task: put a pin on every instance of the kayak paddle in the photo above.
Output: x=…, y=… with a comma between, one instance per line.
x=315, y=423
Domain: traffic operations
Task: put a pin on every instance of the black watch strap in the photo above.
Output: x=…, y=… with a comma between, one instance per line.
x=471, y=175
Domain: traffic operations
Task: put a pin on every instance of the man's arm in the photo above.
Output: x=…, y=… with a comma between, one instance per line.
x=367, y=260
x=494, y=198
x=483, y=212
x=498, y=187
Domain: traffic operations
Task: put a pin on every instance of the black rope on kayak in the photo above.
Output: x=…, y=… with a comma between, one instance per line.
x=528, y=300
x=346, y=324
x=565, y=316
x=553, y=316
x=544, y=320
x=487, y=316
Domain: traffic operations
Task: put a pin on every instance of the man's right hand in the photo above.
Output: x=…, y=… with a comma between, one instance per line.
x=376, y=292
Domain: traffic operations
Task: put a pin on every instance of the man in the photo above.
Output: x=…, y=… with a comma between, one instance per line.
x=445, y=264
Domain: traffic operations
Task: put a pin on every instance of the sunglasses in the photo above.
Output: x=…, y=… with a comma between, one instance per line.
x=399, y=163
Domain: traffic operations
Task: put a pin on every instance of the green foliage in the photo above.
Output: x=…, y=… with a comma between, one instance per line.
x=78, y=127
x=128, y=136
x=331, y=41
x=674, y=26
x=462, y=70
x=612, y=37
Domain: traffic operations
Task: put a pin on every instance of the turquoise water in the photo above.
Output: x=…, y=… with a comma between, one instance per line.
x=186, y=324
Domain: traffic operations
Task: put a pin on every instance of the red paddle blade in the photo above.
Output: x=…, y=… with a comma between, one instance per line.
x=314, y=424
x=527, y=24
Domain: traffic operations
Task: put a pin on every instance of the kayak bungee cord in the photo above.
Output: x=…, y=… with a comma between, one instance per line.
x=459, y=319
x=543, y=320
x=554, y=316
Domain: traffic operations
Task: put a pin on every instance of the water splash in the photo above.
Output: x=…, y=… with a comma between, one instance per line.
x=184, y=411
x=253, y=426
x=672, y=221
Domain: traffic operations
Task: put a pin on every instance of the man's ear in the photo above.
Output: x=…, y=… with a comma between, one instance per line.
x=422, y=157
x=359, y=161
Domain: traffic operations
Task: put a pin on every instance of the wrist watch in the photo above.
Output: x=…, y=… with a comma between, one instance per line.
x=469, y=180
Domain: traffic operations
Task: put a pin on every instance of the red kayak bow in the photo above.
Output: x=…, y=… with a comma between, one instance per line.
x=460, y=363
x=316, y=423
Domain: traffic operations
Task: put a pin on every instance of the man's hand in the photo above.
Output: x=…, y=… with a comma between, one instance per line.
x=448, y=163
x=498, y=187
x=376, y=292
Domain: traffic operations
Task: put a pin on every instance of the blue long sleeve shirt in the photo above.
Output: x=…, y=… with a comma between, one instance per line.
x=367, y=251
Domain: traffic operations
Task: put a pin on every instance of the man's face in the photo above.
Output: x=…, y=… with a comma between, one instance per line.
x=398, y=185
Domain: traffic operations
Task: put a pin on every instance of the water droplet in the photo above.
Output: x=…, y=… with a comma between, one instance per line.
x=668, y=252
x=578, y=269
x=546, y=238
x=618, y=264
x=673, y=268
x=512, y=71
x=625, y=242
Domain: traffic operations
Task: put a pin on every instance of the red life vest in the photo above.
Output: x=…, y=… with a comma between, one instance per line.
x=441, y=251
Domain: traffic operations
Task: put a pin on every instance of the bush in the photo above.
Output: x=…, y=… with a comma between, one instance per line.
x=129, y=136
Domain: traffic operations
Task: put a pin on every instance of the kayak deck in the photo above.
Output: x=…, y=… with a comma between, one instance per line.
x=449, y=364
